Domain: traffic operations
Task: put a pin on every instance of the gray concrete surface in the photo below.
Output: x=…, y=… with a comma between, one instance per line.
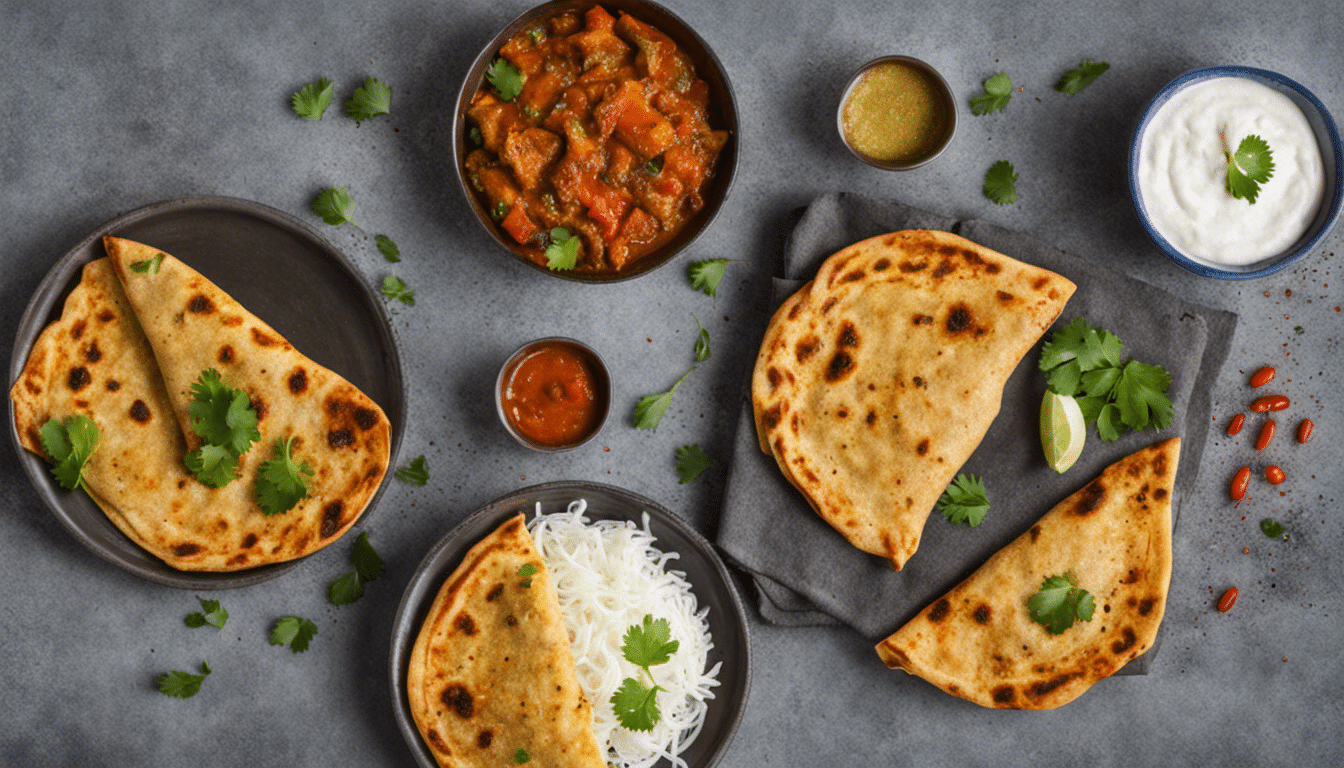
x=111, y=106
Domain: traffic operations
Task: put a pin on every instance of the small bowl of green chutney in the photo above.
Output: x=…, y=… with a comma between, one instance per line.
x=896, y=113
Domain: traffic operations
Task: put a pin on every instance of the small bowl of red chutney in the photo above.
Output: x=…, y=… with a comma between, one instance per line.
x=553, y=394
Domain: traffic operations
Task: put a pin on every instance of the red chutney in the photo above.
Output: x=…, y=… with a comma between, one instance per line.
x=551, y=395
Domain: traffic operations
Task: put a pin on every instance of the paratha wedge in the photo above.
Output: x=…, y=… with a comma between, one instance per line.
x=492, y=671
x=1113, y=536
x=879, y=378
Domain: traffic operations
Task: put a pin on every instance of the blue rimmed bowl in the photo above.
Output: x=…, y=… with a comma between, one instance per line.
x=1332, y=165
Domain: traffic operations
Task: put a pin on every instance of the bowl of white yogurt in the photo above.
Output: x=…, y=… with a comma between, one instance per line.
x=1197, y=160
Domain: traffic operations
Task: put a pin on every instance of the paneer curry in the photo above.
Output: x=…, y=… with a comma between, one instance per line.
x=607, y=137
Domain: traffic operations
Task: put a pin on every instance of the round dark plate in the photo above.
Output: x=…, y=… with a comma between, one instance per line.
x=283, y=272
x=722, y=116
x=704, y=570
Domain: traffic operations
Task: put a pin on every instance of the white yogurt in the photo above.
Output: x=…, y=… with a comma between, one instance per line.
x=1183, y=172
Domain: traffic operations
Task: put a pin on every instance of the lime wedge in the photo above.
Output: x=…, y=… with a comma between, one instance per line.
x=1063, y=431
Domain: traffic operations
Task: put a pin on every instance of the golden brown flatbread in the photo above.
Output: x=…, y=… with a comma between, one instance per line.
x=492, y=672
x=877, y=380
x=121, y=335
x=979, y=641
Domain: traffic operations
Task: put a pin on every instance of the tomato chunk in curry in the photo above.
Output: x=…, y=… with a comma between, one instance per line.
x=608, y=138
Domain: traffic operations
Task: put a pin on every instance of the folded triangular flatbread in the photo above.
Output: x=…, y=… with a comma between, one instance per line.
x=492, y=671
x=979, y=641
x=124, y=333
x=878, y=379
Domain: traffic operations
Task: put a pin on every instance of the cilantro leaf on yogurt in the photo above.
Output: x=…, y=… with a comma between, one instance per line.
x=1249, y=167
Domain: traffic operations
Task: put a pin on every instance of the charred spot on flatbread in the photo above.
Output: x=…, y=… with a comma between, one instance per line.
x=262, y=338
x=225, y=355
x=113, y=385
x=79, y=378
x=77, y=329
x=484, y=739
x=1090, y=498
x=249, y=541
x=298, y=381
x=331, y=518
x=140, y=412
x=92, y=353
x=340, y=438
x=200, y=304
x=466, y=624
x=186, y=549
x=458, y=699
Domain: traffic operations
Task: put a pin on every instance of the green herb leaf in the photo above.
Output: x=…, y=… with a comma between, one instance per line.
x=1001, y=184
x=1059, y=603
x=691, y=461
x=367, y=563
x=650, y=643
x=654, y=166
x=415, y=474
x=998, y=91
x=213, y=465
x=1272, y=528
x=281, y=483
x=294, y=630
x=506, y=79
x=210, y=614
x=1249, y=167
x=500, y=210
x=1109, y=424
x=388, y=248
x=1299, y=330
x=706, y=274
x=1077, y=79
x=1084, y=361
x=182, y=685
x=312, y=100
x=475, y=136
x=395, y=288
x=69, y=443
x=346, y=590
x=701, y=342
x=150, y=266
x=521, y=756
x=222, y=415
x=635, y=705
x=1142, y=393
x=651, y=408
x=965, y=500
x=527, y=571
x=563, y=252
x=334, y=205
x=371, y=99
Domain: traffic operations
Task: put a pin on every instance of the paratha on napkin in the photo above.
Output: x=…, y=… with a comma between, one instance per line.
x=979, y=641
x=492, y=671
x=877, y=380
x=122, y=335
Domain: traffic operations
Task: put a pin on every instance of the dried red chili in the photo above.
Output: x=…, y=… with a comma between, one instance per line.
x=1228, y=600
x=1263, y=376
x=1270, y=403
x=1239, y=483
x=1266, y=434
x=1235, y=426
x=1304, y=431
x=1274, y=474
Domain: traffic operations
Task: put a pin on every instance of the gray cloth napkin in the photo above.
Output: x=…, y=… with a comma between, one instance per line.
x=806, y=573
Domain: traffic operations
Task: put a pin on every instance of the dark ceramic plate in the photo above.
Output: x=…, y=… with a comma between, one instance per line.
x=722, y=116
x=278, y=268
x=704, y=570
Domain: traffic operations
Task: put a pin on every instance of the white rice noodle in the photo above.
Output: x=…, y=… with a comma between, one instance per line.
x=609, y=575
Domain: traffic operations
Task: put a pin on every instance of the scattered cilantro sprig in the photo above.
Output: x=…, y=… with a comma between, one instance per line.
x=1081, y=76
x=1001, y=183
x=506, y=79
x=334, y=205
x=527, y=571
x=295, y=631
x=69, y=443
x=282, y=483
x=311, y=101
x=691, y=461
x=396, y=289
x=651, y=408
x=965, y=500
x=645, y=645
x=417, y=473
x=224, y=417
x=210, y=613
x=701, y=342
x=148, y=266
x=388, y=248
x=368, y=567
x=706, y=274
x=182, y=685
x=1084, y=363
x=563, y=252
x=998, y=92
x=521, y=756
x=1060, y=602
x=371, y=99
x=1249, y=167
x=1272, y=528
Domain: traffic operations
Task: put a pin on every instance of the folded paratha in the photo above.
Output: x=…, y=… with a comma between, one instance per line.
x=124, y=333
x=979, y=641
x=492, y=671
x=878, y=379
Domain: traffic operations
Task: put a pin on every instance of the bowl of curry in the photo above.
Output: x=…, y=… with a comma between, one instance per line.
x=595, y=142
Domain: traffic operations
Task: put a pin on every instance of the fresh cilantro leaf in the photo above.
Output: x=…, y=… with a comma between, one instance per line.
x=649, y=643
x=221, y=415
x=1141, y=393
x=334, y=205
x=1001, y=183
x=1059, y=603
x=294, y=630
x=182, y=685
x=1249, y=167
x=69, y=443
x=965, y=500
x=521, y=756
x=346, y=589
x=706, y=274
x=212, y=464
x=1077, y=79
x=312, y=100
x=563, y=252
x=527, y=571
x=635, y=705
x=210, y=614
x=1100, y=382
x=998, y=91
x=1299, y=330
x=1067, y=379
x=395, y=288
x=691, y=461
x=371, y=99
x=506, y=79
x=415, y=474
x=1084, y=361
x=475, y=136
x=149, y=266
x=701, y=342
x=500, y=210
x=367, y=563
x=1065, y=344
x=1109, y=424
x=281, y=483
x=651, y=408
x=388, y=248
x=654, y=166
x=1272, y=528
x=1091, y=408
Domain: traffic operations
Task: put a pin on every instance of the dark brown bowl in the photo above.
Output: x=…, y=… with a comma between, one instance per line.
x=722, y=116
